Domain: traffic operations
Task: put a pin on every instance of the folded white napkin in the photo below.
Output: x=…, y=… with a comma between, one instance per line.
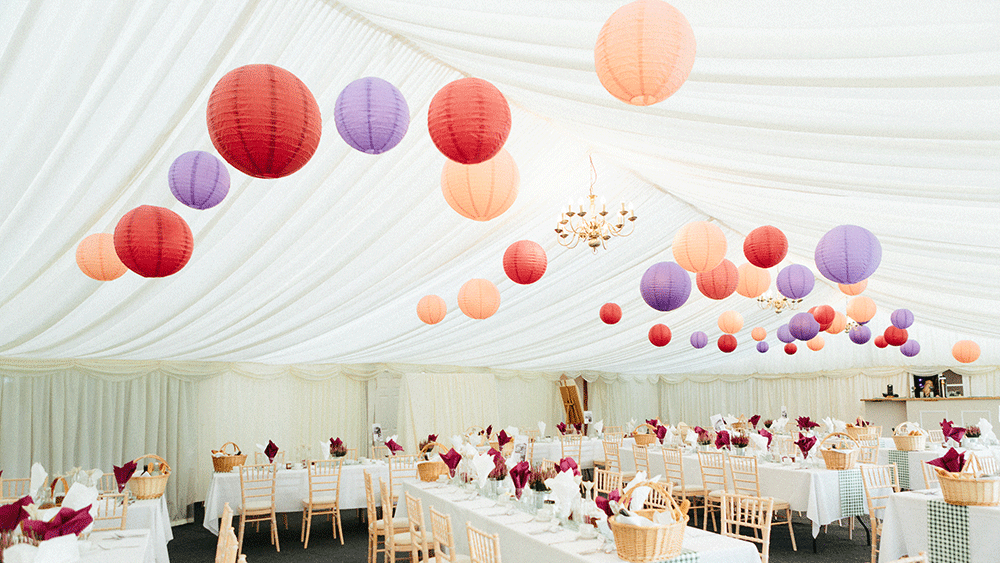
x=604, y=528
x=261, y=448
x=631, y=425
x=565, y=488
x=457, y=441
x=324, y=449
x=779, y=425
x=829, y=425
x=541, y=429
x=38, y=477
x=668, y=438
x=634, y=520
x=730, y=419
x=468, y=451
x=758, y=443
x=81, y=496
x=63, y=549
x=839, y=425
x=718, y=422
x=512, y=431
x=987, y=435
x=482, y=464
x=599, y=426
x=691, y=437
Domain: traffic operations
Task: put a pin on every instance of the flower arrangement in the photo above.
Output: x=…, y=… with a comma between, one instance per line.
x=973, y=432
x=861, y=422
x=740, y=441
x=431, y=438
x=768, y=422
x=704, y=436
x=337, y=447
x=536, y=480
x=499, y=472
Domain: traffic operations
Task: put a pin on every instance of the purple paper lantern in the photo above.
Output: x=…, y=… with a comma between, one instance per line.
x=860, y=334
x=795, y=281
x=699, y=339
x=371, y=115
x=848, y=254
x=665, y=286
x=803, y=326
x=910, y=348
x=901, y=318
x=784, y=335
x=762, y=346
x=198, y=180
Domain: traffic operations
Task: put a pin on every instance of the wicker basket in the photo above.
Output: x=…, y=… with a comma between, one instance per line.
x=964, y=489
x=431, y=470
x=840, y=458
x=150, y=486
x=640, y=544
x=910, y=443
x=226, y=463
x=644, y=439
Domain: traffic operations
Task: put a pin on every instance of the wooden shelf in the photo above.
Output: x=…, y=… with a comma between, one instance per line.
x=901, y=399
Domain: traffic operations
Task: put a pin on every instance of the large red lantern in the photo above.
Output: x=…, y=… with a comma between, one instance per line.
x=765, y=246
x=524, y=262
x=611, y=313
x=720, y=282
x=264, y=121
x=96, y=257
x=153, y=242
x=469, y=120
x=727, y=343
x=895, y=336
x=659, y=335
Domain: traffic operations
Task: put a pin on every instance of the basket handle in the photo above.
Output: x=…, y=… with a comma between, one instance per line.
x=675, y=509
x=840, y=435
x=235, y=447
x=647, y=425
x=154, y=456
x=430, y=446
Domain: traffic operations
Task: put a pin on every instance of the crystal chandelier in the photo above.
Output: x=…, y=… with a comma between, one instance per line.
x=593, y=225
x=779, y=303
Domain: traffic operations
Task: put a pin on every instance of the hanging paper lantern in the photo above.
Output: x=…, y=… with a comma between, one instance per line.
x=153, y=242
x=371, y=115
x=791, y=348
x=96, y=257
x=665, y=286
x=524, y=262
x=861, y=335
x=803, y=326
x=469, y=120
x=699, y=339
x=263, y=121
x=895, y=336
x=854, y=288
x=880, y=341
x=644, y=52
x=659, y=335
x=784, y=334
x=198, y=180
x=965, y=351
x=481, y=191
x=848, y=254
x=839, y=323
x=720, y=282
x=824, y=315
x=753, y=281
x=765, y=247
x=795, y=281
x=478, y=299
x=727, y=343
x=861, y=309
x=910, y=348
x=901, y=318
x=759, y=333
x=730, y=322
x=611, y=313
x=431, y=309
x=816, y=343
x=699, y=246
x=762, y=347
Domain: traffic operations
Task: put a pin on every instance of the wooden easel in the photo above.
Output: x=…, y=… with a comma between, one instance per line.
x=571, y=401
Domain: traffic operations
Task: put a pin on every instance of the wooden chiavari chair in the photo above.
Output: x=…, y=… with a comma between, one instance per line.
x=257, y=484
x=324, y=497
x=880, y=482
x=483, y=547
x=754, y=513
x=746, y=482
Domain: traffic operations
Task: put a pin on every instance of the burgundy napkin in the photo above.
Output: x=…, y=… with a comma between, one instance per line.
x=722, y=439
x=393, y=446
x=123, y=474
x=451, y=459
x=652, y=422
x=754, y=420
x=954, y=432
x=763, y=432
x=519, y=476
x=805, y=423
x=503, y=438
x=335, y=443
x=805, y=443
x=270, y=451
x=562, y=427
x=702, y=433
x=489, y=431
x=12, y=514
x=567, y=464
x=579, y=428
x=661, y=433
x=67, y=521
x=605, y=503
x=497, y=456
x=499, y=468
x=950, y=461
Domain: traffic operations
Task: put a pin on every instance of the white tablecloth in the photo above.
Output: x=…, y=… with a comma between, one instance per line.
x=291, y=487
x=519, y=543
x=906, y=529
x=592, y=449
x=117, y=547
x=152, y=514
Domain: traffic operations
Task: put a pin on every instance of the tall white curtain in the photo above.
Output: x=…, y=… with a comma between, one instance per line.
x=525, y=402
x=445, y=404
x=617, y=402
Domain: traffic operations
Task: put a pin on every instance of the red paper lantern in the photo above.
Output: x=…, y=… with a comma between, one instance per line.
x=264, y=121
x=481, y=191
x=659, y=335
x=431, y=309
x=880, y=341
x=765, y=247
x=153, y=242
x=96, y=257
x=611, y=313
x=699, y=246
x=824, y=315
x=895, y=336
x=469, y=120
x=524, y=262
x=791, y=348
x=478, y=299
x=753, y=281
x=965, y=351
x=720, y=282
x=727, y=343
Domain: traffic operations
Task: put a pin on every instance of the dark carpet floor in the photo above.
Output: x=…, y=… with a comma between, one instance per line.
x=193, y=543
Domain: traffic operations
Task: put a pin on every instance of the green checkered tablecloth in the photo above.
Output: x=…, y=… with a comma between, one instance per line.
x=852, y=494
x=686, y=556
x=902, y=461
x=947, y=532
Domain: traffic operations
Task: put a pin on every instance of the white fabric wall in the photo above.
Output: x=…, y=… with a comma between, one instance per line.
x=444, y=404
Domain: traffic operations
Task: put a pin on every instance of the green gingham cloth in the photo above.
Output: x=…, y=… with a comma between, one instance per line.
x=902, y=461
x=686, y=556
x=947, y=532
x=852, y=495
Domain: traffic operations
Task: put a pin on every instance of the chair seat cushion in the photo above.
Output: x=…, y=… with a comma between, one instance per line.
x=781, y=504
x=716, y=494
x=397, y=524
x=320, y=500
x=257, y=506
x=402, y=538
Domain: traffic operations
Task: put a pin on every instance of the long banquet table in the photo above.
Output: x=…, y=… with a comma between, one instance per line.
x=922, y=521
x=291, y=487
x=522, y=540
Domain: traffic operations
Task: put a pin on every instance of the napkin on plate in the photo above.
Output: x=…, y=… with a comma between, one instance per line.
x=661, y=433
x=718, y=421
x=38, y=477
x=668, y=436
x=605, y=503
x=393, y=446
x=690, y=437
x=503, y=438
x=519, y=476
x=955, y=433
x=631, y=425
x=805, y=444
x=987, y=436
x=81, y=496
x=828, y=422
x=561, y=427
x=513, y=431
x=779, y=425
x=457, y=441
x=63, y=549
x=759, y=442
x=568, y=464
x=123, y=474
x=451, y=459
x=839, y=425
x=768, y=435
x=324, y=449
x=950, y=461
x=541, y=428
x=805, y=423
x=66, y=521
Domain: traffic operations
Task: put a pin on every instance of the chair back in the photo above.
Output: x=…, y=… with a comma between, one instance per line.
x=606, y=481
x=673, y=467
x=380, y=451
x=13, y=489
x=657, y=500
x=868, y=452
x=785, y=446
x=572, y=446
x=530, y=432
x=402, y=467
x=112, y=510
x=614, y=436
x=483, y=547
x=641, y=454
x=107, y=484
x=324, y=481
x=744, y=476
x=880, y=481
x=257, y=487
x=371, y=506
x=930, y=476
x=753, y=514
x=613, y=429
x=415, y=518
x=713, y=470
x=222, y=544
x=261, y=459
x=612, y=454
x=935, y=436
x=547, y=464
x=982, y=464
x=444, y=539
x=352, y=453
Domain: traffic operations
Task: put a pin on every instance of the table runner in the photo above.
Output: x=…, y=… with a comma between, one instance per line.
x=852, y=494
x=902, y=461
x=947, y=532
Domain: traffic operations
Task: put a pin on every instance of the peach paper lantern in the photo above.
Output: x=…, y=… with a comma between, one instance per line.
x=481, y=191
x=431, y=309
x=720, y=282
x=753, y=281
x=96, y=257
x=644, y=52
x=816, y=343
x=861, y=309
x=839, y=323
x=730, y=322
x=699, y=246
x=479, y=299
x=965, y=351
x=854, y=288
x=469, y=120
x=759, y=333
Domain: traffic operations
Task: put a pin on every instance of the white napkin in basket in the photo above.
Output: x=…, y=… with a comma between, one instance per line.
x=38, y=477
